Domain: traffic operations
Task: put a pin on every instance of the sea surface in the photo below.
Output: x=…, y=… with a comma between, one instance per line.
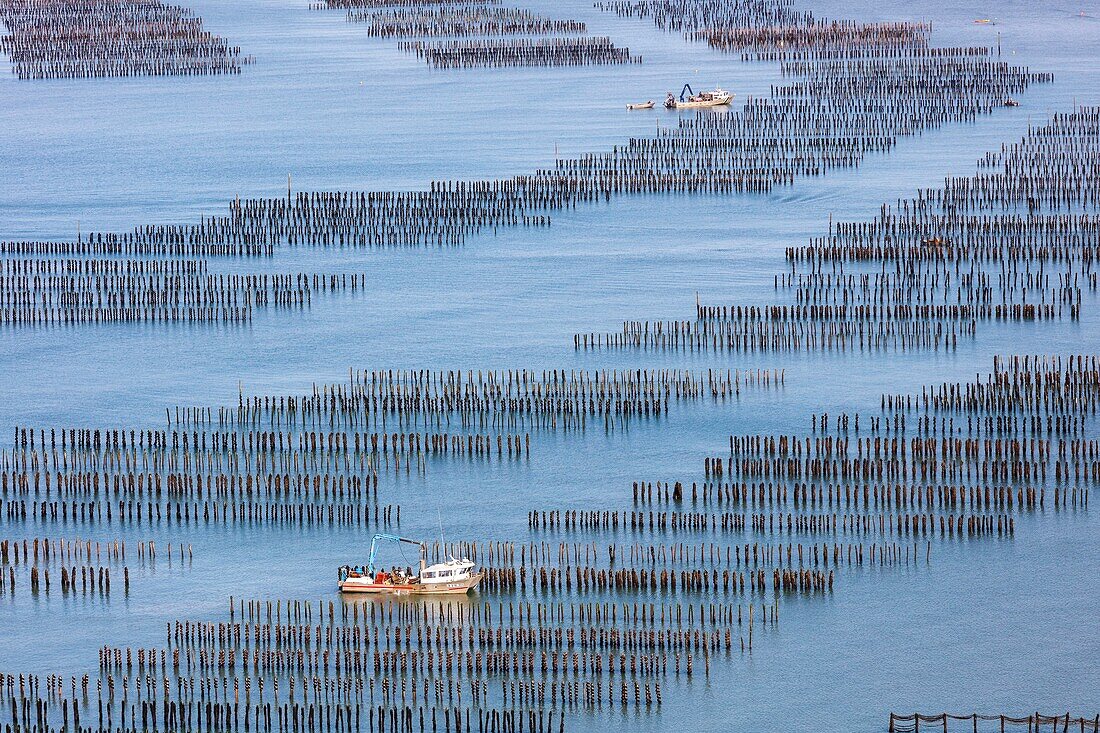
x=1001, y=625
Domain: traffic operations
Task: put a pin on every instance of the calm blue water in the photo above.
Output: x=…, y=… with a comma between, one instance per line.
x=991, y=625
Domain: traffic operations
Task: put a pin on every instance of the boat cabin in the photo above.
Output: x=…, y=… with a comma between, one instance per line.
x=450, y=571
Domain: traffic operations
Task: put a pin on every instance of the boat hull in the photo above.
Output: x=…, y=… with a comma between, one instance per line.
x=368, y=586
x=721, y=102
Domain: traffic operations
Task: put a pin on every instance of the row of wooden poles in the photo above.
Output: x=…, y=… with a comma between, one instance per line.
x=55, y=292
x=1061, y=426
x=841, y=466
x=689, y=15
x=206, y=512
x=714, y=583
x=991, y=420
x=577, y=51
x=870, y=495
x=771, y=336
x=47, y=550
x=459, y=20
x=82, y=566
x=831, y=525
x=85, y=579
x=235, y=450
x=552, y=398
x=917, y=449
x=51, y=39
x=33, y=715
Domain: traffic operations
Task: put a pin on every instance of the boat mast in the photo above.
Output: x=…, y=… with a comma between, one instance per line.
x=442, y=539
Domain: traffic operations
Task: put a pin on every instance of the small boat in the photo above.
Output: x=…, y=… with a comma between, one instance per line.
x=643, y=105
x=718, y=98
x=983, y=21
x=450, y=577
x=1010, y=102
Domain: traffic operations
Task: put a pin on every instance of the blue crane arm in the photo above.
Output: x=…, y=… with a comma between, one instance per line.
x=687, y=88
x=392, y=538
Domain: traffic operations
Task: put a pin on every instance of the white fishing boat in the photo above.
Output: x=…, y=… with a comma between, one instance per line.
x=690, y=100
x=450, y=577
x=643, y=105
